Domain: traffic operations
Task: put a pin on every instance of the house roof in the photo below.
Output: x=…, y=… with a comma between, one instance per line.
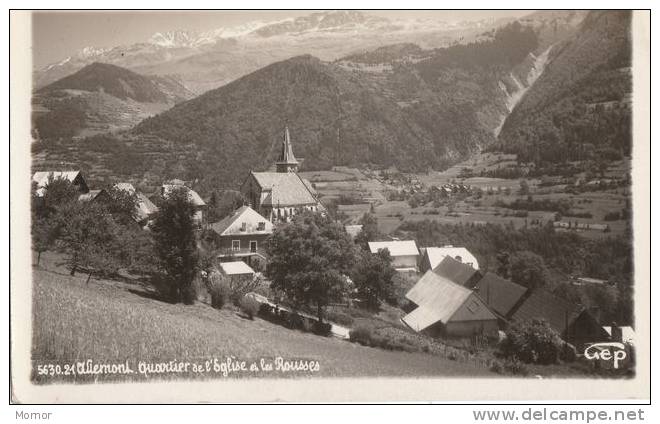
x=353, y=230
x=193, y=197
x=145, y=207
x=457, y=272
x=499, y=294
x=41, y=178
x=441, y=300
x=233, y=223
x=236, y=268
x=284, y=189
x=627, y=333
x=125, y=187
x=90, y=195
x=558, y=313
x=435, y=255
x=396, y=247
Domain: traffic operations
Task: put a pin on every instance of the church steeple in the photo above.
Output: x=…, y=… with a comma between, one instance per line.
x=286, y=162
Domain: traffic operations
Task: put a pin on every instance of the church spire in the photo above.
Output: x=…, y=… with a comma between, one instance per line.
x=286, y=162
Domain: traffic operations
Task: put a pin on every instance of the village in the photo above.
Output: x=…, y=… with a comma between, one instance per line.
x=431, y=295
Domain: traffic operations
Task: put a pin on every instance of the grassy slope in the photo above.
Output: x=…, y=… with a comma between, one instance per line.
x=114, y=321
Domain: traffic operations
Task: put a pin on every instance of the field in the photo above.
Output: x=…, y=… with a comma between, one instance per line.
x=358, y=190
x=118, y=321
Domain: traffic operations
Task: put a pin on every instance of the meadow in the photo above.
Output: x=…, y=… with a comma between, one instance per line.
x=111, y=321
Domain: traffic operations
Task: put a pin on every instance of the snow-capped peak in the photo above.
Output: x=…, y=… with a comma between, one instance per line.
x=174, y=39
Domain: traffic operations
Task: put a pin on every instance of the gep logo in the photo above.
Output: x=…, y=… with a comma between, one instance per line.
x=606, y=352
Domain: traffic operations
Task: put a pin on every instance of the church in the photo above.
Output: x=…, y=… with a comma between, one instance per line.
x=279, y=195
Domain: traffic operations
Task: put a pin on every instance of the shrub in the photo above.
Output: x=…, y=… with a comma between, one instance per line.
x=497, y=367
x=219, y=294
x=322, y=328
x=339, y=318
x=515, y=366
x=295, y=321
x=362, y=335
x=250, y=306
x=532, y=342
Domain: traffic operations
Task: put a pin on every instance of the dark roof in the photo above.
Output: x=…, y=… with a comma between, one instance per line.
x=457, y=272
x=442, y=300
x=499, y=294
x=286, y=154
x=559, y=313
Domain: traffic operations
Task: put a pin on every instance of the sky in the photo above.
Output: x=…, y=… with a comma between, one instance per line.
x=57, y=35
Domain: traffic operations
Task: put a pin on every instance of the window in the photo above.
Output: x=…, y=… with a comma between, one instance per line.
x=235, y=245
x=243, y=226
x=253, y=246
x=261, y=226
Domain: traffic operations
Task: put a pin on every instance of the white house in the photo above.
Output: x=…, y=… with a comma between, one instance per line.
x=404, y=253
x=432, y=256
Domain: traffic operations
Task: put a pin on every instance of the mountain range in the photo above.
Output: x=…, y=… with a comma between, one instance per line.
x=542, y=79
x=210, y=59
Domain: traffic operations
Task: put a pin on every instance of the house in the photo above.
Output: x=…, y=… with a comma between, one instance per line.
x=75, y=177
x=145, y=210
x=575, y=324
x=499, y=294
x=95, y=196
x=445, y=308
x=198, y=204
x=404, y=253
x=432, y=256
x=353, y=230
x=236, y=269
x=243, y=234
x=621, y=334
x=282, y=194
x=458, y=272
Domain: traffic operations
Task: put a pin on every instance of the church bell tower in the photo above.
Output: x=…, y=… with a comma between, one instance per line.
x=286, y=162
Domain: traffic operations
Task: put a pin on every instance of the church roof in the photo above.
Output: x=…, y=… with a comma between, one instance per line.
x=285, y=189
x=286, y=154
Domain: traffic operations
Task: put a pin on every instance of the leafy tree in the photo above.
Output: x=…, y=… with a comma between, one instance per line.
x=532, y=342
x=528, y=269
x=310, y=258
x=57, y=193
x=89, y=237
x=44, y=233
x=123, y=205
x=223, y=203
x=369, y=231
x=373, y=276
x=176, y=245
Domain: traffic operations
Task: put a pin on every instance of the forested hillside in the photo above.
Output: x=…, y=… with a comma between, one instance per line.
x=418, y=110
x=99, y=98
x=580, y=108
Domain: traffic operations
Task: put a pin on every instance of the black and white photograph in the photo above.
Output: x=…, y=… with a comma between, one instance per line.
x=304, y=198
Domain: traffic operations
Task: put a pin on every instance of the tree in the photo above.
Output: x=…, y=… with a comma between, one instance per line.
x=55, y=194
x=533, y=341
x=528, y=269
x=524, y=187
x=89, y=237
x=122, y=205
x=369, y=231
x=176, y=245
x=223, y=203
x=44, y=233
x=310, y=258
x=372, y=276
